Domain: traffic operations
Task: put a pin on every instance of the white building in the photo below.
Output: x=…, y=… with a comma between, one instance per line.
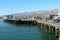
x=5, y=17
x=58, y=13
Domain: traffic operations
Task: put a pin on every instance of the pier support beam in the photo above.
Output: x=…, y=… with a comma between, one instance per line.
x=42, y=25
x=50, y=29
x=57, y=32
x=46, y=28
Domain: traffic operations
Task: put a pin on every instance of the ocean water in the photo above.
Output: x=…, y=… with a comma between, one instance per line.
x=9, y=31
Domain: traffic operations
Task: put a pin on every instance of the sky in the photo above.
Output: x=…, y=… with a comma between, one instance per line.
x=20, y=6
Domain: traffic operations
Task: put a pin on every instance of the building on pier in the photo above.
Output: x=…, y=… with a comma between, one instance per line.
x=8, y=17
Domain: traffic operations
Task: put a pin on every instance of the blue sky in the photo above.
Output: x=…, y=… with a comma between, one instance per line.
x=19, y=6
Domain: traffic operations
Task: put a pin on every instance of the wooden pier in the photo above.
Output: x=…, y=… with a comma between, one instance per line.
x=21, y=21
x=48, y=27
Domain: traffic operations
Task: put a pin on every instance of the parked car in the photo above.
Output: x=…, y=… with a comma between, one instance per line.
x=57, y=20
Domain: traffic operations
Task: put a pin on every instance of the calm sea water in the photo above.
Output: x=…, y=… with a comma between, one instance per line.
x=9, y=31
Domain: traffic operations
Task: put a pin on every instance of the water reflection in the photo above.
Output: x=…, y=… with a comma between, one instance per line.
x=49, y=36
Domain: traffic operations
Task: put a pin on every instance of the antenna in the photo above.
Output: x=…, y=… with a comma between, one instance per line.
x=10, y=11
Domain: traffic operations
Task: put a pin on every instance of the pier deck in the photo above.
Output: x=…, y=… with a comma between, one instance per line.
x=48, y=23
